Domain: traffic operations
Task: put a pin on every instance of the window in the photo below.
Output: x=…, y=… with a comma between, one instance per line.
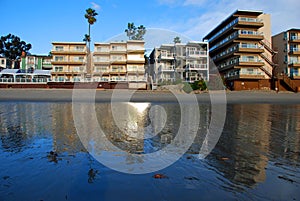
x=2, y=61
x=58, y=68
x=79, y=59
x=59, y=48
x=59, y=58
x=79, y=48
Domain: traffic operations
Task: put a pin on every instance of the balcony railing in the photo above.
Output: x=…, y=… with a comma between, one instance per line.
x=166, y=55
x=247, y=32
x=165, y=68
x=250, y=46
x=249, y=60
x=196, y=53
x=197, y=67
x=247, y=19
x=294, y=49
x=292, y=38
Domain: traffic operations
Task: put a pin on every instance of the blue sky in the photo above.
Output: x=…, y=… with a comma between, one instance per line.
x=41, y=22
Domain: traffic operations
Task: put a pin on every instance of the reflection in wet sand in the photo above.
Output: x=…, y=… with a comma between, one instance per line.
x=258, y=152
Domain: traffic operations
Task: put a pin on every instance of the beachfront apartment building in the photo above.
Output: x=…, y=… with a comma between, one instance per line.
x=111, y=62
x=29, y=63
x=69, y=61
x=287, y=43
x=240, y=47
x=188, y=62
x=120, y=61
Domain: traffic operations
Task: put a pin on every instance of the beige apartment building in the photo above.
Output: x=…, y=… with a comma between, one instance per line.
x=120, y=62
x=287, y=43
x=240, y=47
x=187, y=62
x=69, y=60
x=110, y=63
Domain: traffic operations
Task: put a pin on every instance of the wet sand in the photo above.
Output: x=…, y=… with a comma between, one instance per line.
x=66, y=95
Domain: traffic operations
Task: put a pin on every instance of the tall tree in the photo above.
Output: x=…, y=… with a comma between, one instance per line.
x=90, y=16
x=141, y=31
x=177, y=40
x=131, y=30
x=134, y=33
x=12, y=46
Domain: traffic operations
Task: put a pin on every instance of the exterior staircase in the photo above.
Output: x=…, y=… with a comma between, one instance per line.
x=289, y=82
x=267, y=45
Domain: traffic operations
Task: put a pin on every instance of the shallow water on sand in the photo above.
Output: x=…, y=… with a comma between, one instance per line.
x=43, y=158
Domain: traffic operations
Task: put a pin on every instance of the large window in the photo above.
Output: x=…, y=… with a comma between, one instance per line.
x=59, y=48
x=59, y=58
x=58, y=68
x=79, y=48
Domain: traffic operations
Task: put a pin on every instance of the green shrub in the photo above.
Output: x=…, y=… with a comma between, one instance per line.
x=187, y=88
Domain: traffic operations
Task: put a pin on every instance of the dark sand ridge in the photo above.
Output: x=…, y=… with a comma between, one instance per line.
x=65, y=95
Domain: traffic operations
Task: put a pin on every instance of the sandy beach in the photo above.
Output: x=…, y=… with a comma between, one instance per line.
x=66, y=95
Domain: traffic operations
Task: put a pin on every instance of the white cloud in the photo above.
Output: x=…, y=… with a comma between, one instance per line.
x=95, y=6
x=284, y=14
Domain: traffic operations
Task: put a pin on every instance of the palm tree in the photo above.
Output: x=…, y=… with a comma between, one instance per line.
x=131, y=29
x=177, y=40
x=141, y=31
x=90, y=16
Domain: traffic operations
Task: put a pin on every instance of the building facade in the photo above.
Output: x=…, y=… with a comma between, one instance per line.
x=112, y=62
x=29, y=63
x=287, y=43
x=120, y=62
x=188, y=62
x=240, y=47
x=69, y=61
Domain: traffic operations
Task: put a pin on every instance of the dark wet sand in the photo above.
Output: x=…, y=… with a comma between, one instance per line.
x=66, y=95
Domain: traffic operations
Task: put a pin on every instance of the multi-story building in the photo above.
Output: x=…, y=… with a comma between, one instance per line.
x=29, y=63
x=120, y=62
x=287, y=44
x=188, y=62
x=240, y=47
x=4, y=63
x=69, y=61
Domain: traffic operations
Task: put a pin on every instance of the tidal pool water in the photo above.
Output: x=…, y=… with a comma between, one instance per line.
x=42, y=157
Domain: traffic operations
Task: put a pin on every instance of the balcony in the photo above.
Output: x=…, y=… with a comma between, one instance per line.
x=117, y=71
x=135, y=49
x=295, y=39
x=250, y=62
x=196, y=53
x=294, y=64
x=166, y=68
x=250, y=35
x=196, y=67
x=118, y=50
x=250, y=22
x=295, y=51
x=68, y=51
x=166, y=55
x=250, y=48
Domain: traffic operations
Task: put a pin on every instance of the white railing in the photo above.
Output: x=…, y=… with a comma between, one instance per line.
x=197, y=66
x=165, y=68
x=196, y=53
x=25, y=80
x=252, y=46
x=248, y=19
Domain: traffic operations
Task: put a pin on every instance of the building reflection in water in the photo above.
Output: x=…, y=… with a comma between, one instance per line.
x=253, y=135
